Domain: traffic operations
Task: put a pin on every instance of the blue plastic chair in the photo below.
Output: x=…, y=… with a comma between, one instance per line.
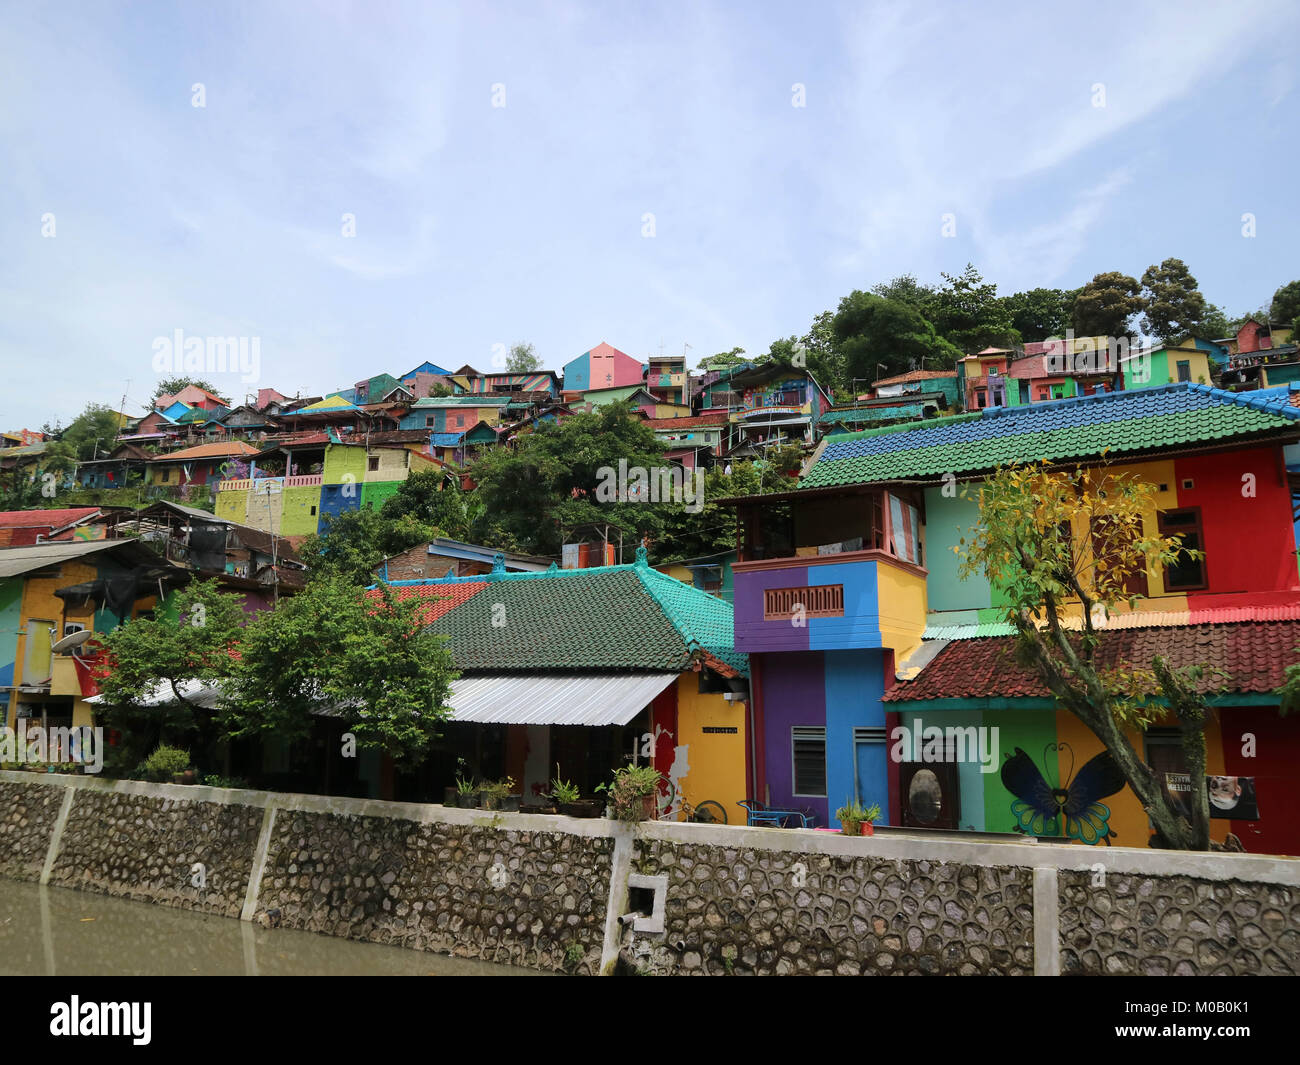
x=759, y=813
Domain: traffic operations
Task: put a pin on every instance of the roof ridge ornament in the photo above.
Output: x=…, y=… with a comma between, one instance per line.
x=641, y=556
x=498, y=565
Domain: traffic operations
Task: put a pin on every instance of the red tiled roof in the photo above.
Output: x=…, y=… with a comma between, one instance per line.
x=685, y=423
x=1254, y=655
x=915, y=375
x=439, y=599
x=37, y=519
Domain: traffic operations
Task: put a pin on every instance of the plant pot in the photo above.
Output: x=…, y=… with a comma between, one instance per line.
x=649, y=807
x=510, y=803
x=488, y=801
x=851, y=828
x=449, y=796
x=466, y=801
x=581, y=808
x=178, y=778
x=867, y=830
x=189, y=777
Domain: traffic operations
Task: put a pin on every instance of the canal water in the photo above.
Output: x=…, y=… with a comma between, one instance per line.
x=48, y=931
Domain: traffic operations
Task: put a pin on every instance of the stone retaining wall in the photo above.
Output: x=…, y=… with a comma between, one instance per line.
x=558, y=893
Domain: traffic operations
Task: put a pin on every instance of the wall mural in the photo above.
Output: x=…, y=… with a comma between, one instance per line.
x=1039, y=807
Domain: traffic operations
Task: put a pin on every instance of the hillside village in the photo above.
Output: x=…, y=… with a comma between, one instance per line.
x=761, y=651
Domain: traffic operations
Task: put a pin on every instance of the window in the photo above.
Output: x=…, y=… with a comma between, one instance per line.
x=1187, y=574
x=813, y=601
x=1108, y=541
x=1184, y=370
x=166, y=476
x=430, y=421
x=372, y=463
x=313, y=512
x=981, y=400
x=808, y=747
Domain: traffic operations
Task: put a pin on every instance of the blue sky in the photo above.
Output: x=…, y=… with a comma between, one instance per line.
x=478, y=225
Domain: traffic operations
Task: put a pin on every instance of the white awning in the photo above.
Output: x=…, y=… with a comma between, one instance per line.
x=508, y=699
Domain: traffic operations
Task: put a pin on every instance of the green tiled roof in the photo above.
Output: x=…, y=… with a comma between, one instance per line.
x=866, y=415
x=619, y=618
x=1141, y=420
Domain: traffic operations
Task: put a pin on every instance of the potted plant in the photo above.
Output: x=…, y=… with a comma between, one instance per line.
x=633, y=793
x=847, y=815
x=870, y=815
x=493, y=793
x=566, y=796
x=466, y=793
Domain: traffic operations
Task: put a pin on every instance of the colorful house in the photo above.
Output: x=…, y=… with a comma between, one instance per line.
x=197, y=468
x=49, y=591
x=918, y=382
x=1187, y=361
x=591, y=668
x=452, y=414
x=778, y=404
x=847, y=588
x=667, y=380
x=693, y=441
x=602, y=367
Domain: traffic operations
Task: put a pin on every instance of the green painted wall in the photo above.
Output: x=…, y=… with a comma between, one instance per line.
x=11, y=597
x=375, y=493
x=1030, y=730
x=946, y=520
x=299, y=514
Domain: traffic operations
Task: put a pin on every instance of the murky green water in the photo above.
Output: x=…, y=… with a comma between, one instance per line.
x=53, y=931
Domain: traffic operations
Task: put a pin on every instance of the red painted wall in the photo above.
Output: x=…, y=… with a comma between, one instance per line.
x=1249, y=541
x=1277, y=787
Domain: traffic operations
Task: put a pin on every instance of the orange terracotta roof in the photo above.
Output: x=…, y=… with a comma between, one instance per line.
x=231, y=448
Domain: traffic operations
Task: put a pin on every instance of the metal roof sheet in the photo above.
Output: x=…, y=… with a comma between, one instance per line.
x=18, y=560
x=550, y=699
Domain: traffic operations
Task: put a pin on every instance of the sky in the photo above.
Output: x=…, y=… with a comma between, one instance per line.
x=368, y=186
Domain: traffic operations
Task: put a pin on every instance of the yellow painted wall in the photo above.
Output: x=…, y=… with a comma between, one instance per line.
x=1127, y=818
x=232, y=504
x=394, y=463
x=716, y=759
x=901, y=595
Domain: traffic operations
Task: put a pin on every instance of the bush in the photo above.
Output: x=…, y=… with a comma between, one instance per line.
x=164, y=763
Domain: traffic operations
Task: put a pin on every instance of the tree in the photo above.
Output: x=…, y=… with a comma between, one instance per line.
x=1215, y=323
x=192, y=639
x=723, y=358
x=522, y=359
x=1285, y=307
x=1040, y=313
x=967, y=313
x=906, y=289
x=1048, y=539
x=522, y=488
x=169, y=386
x=93, y=431
x=878, y=337
x=1174, y=305
x=367, y=656
x=1106, y=305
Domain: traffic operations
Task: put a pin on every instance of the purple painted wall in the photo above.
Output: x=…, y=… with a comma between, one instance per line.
x=793, y=694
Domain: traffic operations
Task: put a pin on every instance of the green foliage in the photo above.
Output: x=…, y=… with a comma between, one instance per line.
x=1105, y=306
x=967, y=313
x=216, y=780
x=853, y=811
x=1285, y=306
x=544, y=489
x=334, y=648
x=723, y=358
x=630, y=786
x=1174, y=304
x=1040, y=313
x=93, y=432
x=907, y=289
x=1056, y=544
x=522, y=358
x=429, y=503
x=879, y=337
x=164, y=763
x=562, y=791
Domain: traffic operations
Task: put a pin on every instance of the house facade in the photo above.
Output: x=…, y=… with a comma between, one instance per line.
x=849, y=603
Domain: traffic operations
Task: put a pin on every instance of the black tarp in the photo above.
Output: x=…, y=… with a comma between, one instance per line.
x=119, y=594
x=208, y=546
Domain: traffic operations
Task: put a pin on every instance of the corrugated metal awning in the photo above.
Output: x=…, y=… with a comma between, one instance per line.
x=569, y=699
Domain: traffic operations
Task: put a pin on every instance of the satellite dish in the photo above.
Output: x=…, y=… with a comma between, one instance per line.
x=69, y=642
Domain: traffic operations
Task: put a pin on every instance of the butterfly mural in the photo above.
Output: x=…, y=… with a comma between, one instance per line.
x=1038, y=806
